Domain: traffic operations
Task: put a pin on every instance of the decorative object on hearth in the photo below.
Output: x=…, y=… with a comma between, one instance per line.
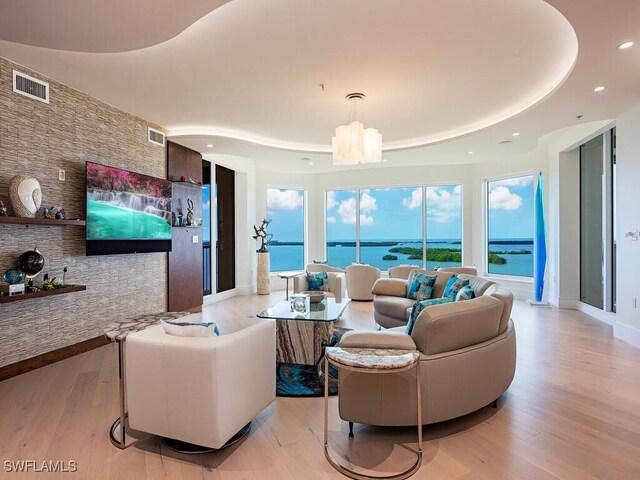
x=300, y=303
x=13, y=276
x=64, y=274
x=48, y=212
x=61, y=214
x=178, y=222
x=189, y=212
x=25, y=196
x=353, y=143
x=261, y=233
x=315, y=296
x=3, y=209
x=31, y=263
x=51, y=283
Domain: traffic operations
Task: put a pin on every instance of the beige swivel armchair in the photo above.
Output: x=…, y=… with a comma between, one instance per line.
x=200, y=390
x=335, y=276
x=360, y=280
x=468, y=358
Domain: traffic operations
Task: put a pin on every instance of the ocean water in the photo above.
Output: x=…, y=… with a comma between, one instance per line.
x=105, y=221
x=291, y=257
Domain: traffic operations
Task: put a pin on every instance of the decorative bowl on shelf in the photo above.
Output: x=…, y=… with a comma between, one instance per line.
x=315, y=296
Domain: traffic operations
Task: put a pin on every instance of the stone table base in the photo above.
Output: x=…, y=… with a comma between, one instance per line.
x=301, y=341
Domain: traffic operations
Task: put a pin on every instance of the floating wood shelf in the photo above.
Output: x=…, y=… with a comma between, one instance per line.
x=188, y=184
x=42, y=221
x=42, y=293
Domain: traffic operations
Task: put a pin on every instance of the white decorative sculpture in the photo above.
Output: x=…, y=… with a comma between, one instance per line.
x=25, y=196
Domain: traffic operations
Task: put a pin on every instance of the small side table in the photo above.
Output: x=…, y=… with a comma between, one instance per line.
x=372, y=361
x=287, y=276
x=117, y=332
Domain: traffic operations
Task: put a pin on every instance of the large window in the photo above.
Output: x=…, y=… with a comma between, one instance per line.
x=390, y=228
x=341, y=227
x=444, y=226
x=510, y=226
x=285, y=209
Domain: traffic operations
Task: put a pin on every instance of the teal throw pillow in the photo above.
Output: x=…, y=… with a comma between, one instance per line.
x=465, y=293
x=453, y=286
x=318, y=281
x=421, y=286
x=421, y=305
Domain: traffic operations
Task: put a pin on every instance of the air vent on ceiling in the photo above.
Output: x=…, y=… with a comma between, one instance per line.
x=156, y=137
x=30, y=87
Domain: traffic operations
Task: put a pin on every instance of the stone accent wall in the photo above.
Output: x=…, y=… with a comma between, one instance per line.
x=36, y=139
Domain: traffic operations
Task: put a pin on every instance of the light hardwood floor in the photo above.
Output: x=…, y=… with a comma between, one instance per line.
x=572, y=412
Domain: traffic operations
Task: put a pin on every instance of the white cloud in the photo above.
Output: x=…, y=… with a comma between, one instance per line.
x=443, y=205
x=331, y=200
x=513, y=182
x=331, y=219
x=347, y=210
x=368, y=203
x=414, y=201
x=501, y=198
x=284, y=199
x=366, y=220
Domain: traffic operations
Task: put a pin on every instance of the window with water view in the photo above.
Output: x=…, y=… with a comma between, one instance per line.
x=285, y=209
x=391, y=222
x=510, y=226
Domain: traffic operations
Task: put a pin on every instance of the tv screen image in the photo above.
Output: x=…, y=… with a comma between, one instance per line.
x=127, y=212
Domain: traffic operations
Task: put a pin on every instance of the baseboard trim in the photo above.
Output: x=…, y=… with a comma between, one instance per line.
x=606, y=317
x=627, y=333
x=218, y=297
x=48, y=358
x=567, y=303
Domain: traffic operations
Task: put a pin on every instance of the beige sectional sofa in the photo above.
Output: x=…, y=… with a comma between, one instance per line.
x=391, y=305
x=467, y=361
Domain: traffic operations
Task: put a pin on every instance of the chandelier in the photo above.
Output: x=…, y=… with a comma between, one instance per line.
x=355, y=144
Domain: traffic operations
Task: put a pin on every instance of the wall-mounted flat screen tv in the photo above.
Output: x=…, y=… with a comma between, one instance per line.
x=127, y=212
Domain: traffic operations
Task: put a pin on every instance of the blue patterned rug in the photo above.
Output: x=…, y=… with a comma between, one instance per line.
x=293, y=380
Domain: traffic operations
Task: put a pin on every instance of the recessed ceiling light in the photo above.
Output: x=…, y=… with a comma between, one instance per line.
x=598, y=89
x=470, y=152
x=385, y=160
x=625, y=45
x=516, y=134
x=209, y=145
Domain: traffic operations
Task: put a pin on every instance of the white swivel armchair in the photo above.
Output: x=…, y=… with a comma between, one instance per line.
x=200, y=390
x=360, y=281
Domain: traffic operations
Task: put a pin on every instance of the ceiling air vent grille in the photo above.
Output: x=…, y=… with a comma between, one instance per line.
x=156, y=137
x=30, y=87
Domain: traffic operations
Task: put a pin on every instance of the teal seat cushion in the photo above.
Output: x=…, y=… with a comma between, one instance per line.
x=421, y=305
x=453, y=286
x=420, y=286
x=318, y=281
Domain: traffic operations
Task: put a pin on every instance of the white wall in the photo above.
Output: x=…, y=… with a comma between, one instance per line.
x=627, y=326
x=245, y=198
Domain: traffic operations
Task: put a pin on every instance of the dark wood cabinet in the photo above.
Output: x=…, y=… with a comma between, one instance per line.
x=185, y=258
x=226, y=244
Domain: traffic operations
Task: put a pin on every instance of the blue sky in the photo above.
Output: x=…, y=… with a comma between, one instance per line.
x=395, y=213
x=511, y=208
x=286, y=210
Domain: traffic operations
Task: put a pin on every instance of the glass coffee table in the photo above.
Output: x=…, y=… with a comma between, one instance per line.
x=300, y=337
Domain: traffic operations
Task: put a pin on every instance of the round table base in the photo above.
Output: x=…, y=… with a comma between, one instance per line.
x=361, y=476
x=191, y=449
